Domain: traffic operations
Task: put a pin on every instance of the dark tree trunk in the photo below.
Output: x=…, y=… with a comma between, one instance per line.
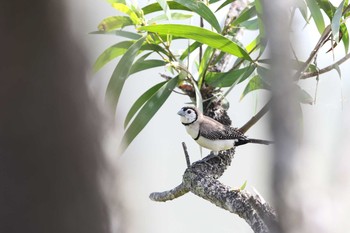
x=50, y=155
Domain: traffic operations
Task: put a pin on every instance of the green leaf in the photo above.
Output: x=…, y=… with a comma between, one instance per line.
x=230, y=78
x=254, y=83
x=146, y=113
x=316, y=15
x=345, y=36
x=246, y=14
x=126, y=34
x=251, y=24
x=337, y=68
x=264, y=74
x=327, y=7
x=125, y=9
x=116, y=1
x=304, y=97
x=114, y=22
x=262, y=33
x=174, y=16
x=201, y=35
x=190, y=49
x=204, y=64
x=119, y=49
x=111, y=53
x=121, y=72
x=163, y=4
x=335, y=24
x=141, y=101
x=156, y=7
x=146, y=64
x=244, y=185
x=224, y=4
x=301, y=5
x=213, y=1
x=201, y=9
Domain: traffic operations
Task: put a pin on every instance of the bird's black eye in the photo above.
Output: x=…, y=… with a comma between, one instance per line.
x=188, y=111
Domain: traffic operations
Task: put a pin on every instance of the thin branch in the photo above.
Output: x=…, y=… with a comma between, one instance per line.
x=176, y=192
x=188, y=162
x=324, y=37
x=256, y=118
x=326, y=69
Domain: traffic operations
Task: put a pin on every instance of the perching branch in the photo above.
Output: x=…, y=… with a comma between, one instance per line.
x=201, y=179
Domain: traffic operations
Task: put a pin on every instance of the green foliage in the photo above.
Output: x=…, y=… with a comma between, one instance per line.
x=149, y=34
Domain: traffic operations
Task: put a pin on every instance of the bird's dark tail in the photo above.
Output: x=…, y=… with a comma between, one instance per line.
x=259, y=141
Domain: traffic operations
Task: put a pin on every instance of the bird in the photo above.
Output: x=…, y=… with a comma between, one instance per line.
x=211, y=134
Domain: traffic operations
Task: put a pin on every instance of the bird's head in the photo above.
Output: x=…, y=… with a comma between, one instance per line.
x=189, y=114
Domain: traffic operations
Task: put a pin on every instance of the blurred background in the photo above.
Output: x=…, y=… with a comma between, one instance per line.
x=155, y=160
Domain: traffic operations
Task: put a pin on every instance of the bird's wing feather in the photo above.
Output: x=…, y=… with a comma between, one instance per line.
x=220, y=132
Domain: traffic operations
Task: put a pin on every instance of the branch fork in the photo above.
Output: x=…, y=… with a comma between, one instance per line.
x=201, y=178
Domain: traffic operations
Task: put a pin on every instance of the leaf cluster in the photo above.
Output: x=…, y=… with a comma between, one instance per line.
x=149, y=34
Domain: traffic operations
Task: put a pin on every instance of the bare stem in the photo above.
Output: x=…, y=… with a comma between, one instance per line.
x=256, y=117
x=188, y=162
x=326, y=69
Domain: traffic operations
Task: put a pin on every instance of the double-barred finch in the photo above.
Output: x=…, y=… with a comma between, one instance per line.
x=211, y=134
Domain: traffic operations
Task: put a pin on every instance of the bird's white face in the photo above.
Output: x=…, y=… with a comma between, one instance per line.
x=188, y=115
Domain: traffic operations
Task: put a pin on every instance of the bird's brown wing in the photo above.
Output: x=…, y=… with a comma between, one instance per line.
x=214, y=130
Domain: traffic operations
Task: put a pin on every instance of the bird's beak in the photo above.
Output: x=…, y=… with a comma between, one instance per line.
x=181, y=113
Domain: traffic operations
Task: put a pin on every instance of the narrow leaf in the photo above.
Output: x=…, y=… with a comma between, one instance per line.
x=163, y=4
x=174, y=16
x=116, y=1
x=246, y=14
x=335, y=24
x=262, y=33
x=119, y=49
x=243, y=186
x=114, y=22
x=254, y=83
x=141, y=101
x=204, y=64
x=327, y=7
x=251, y=24
x=229, y=78
x=121, y=72
x=224, y=4
x=201, y=35
x=144, y=65
x=316, y=15
x=146, y=113
x=126, y=34
x=201, y=9
x=301, y=5
x=125, y=9
x=156, y=7
x=345, y=36
x=190, y=49
x=337, y=68
x=304, y=97
x=111, y=53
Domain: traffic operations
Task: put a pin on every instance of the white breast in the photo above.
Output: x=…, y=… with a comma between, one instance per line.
x=214, y=145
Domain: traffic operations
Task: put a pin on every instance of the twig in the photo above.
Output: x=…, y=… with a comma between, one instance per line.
x=256, y=118
x=326, y=69
x=176, y=192
x=188, y=162
x=314, y=52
